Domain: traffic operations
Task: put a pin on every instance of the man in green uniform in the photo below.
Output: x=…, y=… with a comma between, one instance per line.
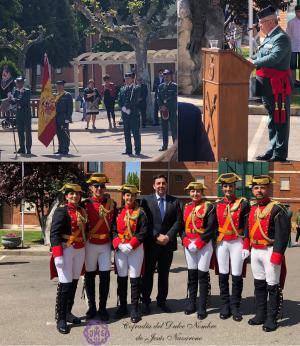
x=64, y=110
x=129, y=101
x=21, y=99
x=273, y=83
x=167, y=102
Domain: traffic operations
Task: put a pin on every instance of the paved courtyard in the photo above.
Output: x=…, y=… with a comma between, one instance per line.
x=28, y=297
x=92, y=145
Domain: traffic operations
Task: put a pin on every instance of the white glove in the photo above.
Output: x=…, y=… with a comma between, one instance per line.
x=245, y=254
x=59, y=262
x=127, y=249
x=121, y=247
x=67, y=121
x=192, y=247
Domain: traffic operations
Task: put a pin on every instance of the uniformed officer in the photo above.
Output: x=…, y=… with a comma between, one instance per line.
x=20, y=97
x=128, y=101
x=101, y=210
x=231, y=216
x=64, y=111
x=273, y=83
x=197, y=238
x=129, y=234
x=167, y=102
x=269, y=231
x=67, y=237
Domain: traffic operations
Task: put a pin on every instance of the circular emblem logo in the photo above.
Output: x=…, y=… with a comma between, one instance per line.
x=96, y=333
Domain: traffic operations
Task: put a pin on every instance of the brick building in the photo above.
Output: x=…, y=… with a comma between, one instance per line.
x=286, y=175
x=10, y=217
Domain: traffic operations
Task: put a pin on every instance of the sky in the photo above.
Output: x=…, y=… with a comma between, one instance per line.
x=133, y=167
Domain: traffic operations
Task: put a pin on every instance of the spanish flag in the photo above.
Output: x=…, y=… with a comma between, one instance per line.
x=46, y=122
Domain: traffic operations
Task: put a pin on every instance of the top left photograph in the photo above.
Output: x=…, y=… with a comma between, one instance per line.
x=87, y=79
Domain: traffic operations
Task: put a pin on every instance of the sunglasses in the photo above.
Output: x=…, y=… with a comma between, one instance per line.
x=102, y=186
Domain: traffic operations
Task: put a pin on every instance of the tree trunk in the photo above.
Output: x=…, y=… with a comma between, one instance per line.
x=33, y=79
x=21, y=61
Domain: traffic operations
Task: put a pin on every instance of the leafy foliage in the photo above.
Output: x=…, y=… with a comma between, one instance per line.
x=133, y=179
x=12, y=67
x=9, y=12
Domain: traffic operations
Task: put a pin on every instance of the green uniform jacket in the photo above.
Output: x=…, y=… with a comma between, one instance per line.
x=274, y=52
x=22, y=102
x=167, y=95
x=129, y=97
x=64, y=109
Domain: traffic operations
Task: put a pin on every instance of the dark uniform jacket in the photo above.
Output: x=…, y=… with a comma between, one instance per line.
x=170, y=225
x=167, y=96
x=129, y=97
x=64, y=109
x=21, y=99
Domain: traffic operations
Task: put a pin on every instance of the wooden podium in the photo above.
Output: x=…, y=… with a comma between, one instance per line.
x=225, y=103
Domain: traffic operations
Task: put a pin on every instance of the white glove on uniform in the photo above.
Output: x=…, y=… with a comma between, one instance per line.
x=127, y=249
x=192, y=247
x=245, y=254
x=59, y=262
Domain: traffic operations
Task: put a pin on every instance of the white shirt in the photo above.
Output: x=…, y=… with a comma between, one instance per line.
x=293, y=30
x=158, y=200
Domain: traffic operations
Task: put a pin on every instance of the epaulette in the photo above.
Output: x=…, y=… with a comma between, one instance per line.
x=218, y=200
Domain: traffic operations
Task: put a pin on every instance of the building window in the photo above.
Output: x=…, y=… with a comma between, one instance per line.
x=95, y=167
x=285, y=184
x=178, y=178
x=58, y=71
x=29, y=208
x=200, y=179
x=38, y=70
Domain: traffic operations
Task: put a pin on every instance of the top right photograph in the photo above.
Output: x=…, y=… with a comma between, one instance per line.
x=238, y=80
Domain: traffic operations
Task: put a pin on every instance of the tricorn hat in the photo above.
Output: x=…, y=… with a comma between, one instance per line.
x=99, y=178
x=129, y=188
x=260, y=180
x=228, y=178
x=70, y=187
x=195, y=185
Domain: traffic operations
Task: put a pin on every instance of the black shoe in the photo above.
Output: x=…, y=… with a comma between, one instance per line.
x=155, y=124
x=146, y=309
x=264, y=157
x=270, y=328
x=28, y=152
x=201, y=316
x=62, y=327
x=164, y=307
x=190, y=309
x=237, y=316
x=126, y=153
x=91, y=313
x=121, y=312
x=137, y=154
x=103, y=314
x=255, y=321
x=276, y=159
x=20, y=151
x=94, y=127
x=163, y=148
x=58, y=153
x=73, y=319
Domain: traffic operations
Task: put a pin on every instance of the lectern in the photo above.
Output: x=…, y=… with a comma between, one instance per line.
x=225, y=102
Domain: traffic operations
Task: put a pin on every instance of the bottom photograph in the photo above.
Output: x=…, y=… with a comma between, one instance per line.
x=124, y=253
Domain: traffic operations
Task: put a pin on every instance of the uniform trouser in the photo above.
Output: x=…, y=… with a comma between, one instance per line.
x=165, y=128
x=200, y=259
x=24, y=133
x=63, y=136
x=97, y=254
x=131, y=263
x=143, y=111
x=262, y=268
x=230, y=250
x=155, y=113
x=298, y=234
x=110, y=108
x=132, y=125
x=278, y=133
x=161, y=256
x=73, y=264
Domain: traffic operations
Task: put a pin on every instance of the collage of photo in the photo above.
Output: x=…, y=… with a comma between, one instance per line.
x=149, y=172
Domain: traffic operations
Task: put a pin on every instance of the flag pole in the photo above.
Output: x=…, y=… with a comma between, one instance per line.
x=22, y=206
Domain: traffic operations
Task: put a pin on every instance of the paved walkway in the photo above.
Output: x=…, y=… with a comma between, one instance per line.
x=257, y=129
x=101, y=144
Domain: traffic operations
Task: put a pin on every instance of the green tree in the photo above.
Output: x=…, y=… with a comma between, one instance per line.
x=133, y=179
x=40, y=185
x=9, y=12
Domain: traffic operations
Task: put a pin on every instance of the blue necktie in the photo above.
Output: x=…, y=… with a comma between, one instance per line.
x=161, y=208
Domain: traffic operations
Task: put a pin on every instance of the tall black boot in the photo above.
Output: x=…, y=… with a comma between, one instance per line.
x=260, y=293
x=122, y=294
x=135, y=315
x=89, y=279
x=236, y=296
x=103, y=294
x=224, y=294
x=63, y=290
x=271, y=322
x=192, y=289
x=70, y=317
x=204, y=288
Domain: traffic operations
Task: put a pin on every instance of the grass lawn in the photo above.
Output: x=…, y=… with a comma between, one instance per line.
x=30, y=237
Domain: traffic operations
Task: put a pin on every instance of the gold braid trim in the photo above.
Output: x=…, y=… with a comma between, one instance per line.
x=229, y=211
x=103, y=212
x=195, y=214
x=128, y=218
x=81, y=221
x=260, y=215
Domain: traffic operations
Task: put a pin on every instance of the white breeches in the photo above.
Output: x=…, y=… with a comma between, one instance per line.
x=132, y=262
x=262, y=268
x=72, y=265
x=230, y=250
x=97, y=253
x=200, y=259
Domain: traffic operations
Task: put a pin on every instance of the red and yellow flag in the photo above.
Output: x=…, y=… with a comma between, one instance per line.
x=46, y=123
